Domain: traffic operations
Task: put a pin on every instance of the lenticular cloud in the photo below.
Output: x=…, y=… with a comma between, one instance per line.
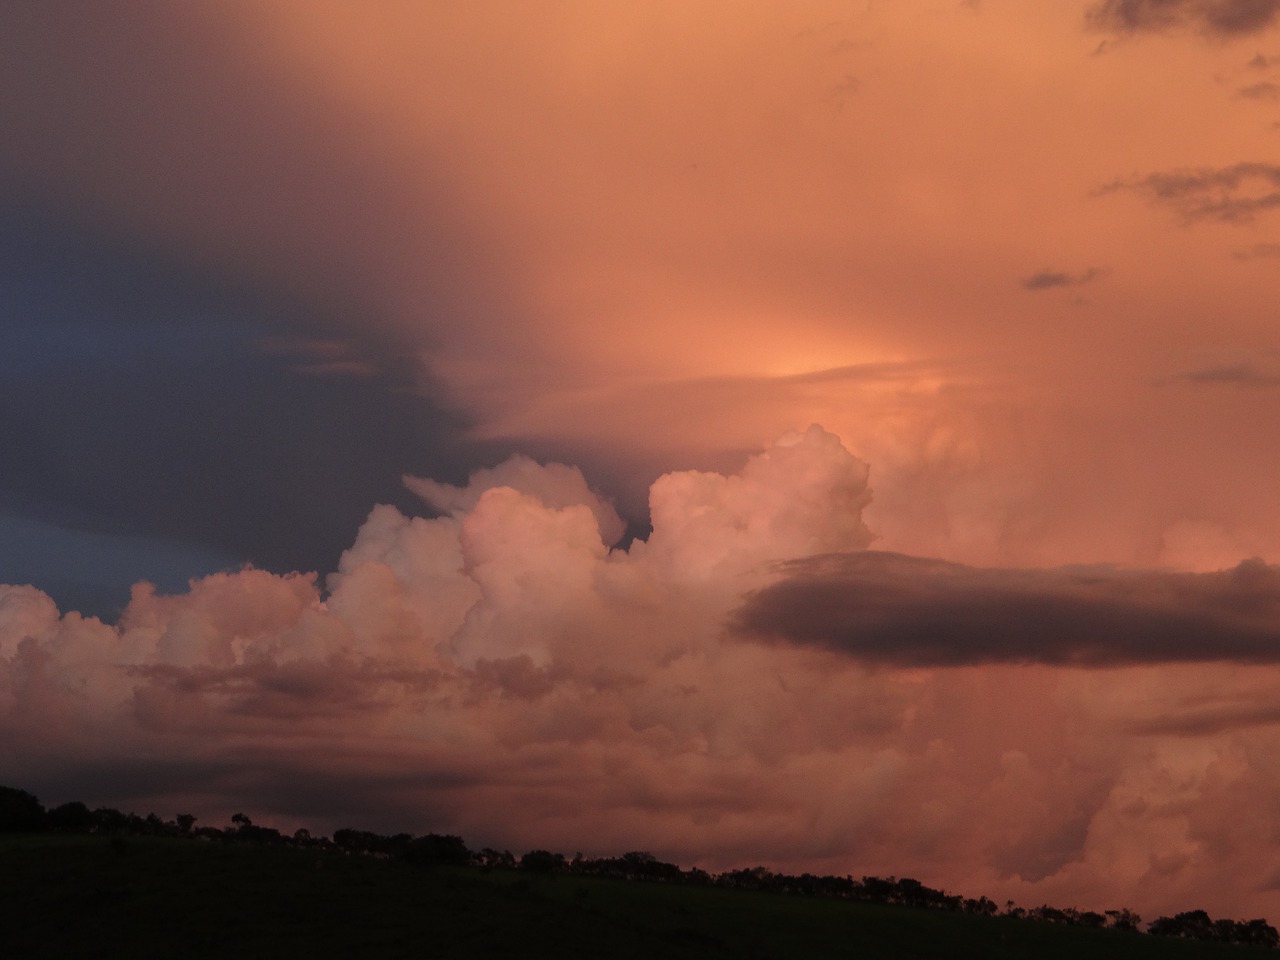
x=496, y=670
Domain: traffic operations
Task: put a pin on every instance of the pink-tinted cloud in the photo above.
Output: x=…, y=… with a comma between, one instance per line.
x=501, y=658
x=651, y=238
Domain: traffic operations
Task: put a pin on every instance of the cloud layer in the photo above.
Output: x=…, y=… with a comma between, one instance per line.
x=499, y=672
x=908, y=611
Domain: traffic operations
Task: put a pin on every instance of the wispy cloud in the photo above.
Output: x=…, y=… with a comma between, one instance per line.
x=1258, y=250
x=320, y=357
x=1234, y=374
x=1216, y=18
x=1209, y=193
x=1266, y=90
x=1201, y=720
x=1048, y=279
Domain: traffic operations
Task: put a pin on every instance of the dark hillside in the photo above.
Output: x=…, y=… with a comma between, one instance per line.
x=138, y=896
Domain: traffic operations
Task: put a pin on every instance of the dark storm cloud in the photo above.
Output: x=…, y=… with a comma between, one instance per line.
x=1234, y=194
x=195, y=342
x=144, y=397
x=1218, y=18
x=907, y=611
x=1048, y=279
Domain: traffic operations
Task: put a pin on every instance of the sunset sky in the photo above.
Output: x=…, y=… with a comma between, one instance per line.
x=840, y=436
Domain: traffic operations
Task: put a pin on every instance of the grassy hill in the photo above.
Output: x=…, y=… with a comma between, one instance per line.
x=97, y=896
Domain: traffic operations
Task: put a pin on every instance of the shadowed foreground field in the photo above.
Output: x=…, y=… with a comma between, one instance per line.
x=94, y=896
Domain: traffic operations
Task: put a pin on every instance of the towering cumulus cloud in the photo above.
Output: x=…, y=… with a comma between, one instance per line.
x=748, y=685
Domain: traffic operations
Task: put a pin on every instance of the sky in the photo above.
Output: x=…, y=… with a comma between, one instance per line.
x=832, y=436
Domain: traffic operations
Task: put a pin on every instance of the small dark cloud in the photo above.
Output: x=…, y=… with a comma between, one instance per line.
x=910, y=612
x=1048, y=279
x=1260, y=62
x=1257, y=251
x=1260, y=91
x=1233, y=374
x=1222, y=19
x=840, y=91
x=1209, y=193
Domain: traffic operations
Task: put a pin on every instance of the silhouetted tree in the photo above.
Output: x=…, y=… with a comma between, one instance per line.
x=73, y=817
x=434, y=848
x=1257, y=933
x=1191, y=924
x=110, y=820
x=982, y=906
x=491, y=859
x=1124, y=919
x=542, y=862
x=20, y=812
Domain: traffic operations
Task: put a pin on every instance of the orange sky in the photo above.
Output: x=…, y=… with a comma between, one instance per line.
x=1018, y=260
x=691, y=207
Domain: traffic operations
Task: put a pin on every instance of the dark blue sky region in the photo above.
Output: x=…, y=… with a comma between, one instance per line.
x=161, y=423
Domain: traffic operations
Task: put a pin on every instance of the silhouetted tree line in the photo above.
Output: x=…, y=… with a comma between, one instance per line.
x=1198, y=925
x=22, y=812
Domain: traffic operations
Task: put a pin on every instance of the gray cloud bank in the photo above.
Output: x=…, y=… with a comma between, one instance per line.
x=908, y=611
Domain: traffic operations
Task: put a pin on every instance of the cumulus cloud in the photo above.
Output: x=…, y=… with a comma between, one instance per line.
x=909, y=611
x=553, y=485
x=1209, y=193
x=500, y=657
x=1217, y=18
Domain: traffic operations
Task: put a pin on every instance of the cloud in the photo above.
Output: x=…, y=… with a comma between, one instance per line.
x=500, y=657
x=1213, y=720
x=1217, y=18
x=908, y=611
x=553, y=485
x=1235, y=374
x=1266, y=90
x=1258, y=251
x=1209, y=193
x=1047, y=279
